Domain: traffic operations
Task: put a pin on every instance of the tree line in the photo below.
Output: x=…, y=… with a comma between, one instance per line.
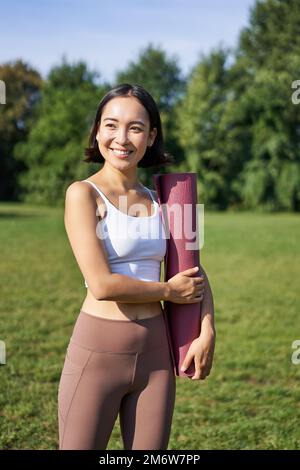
x=231, y=119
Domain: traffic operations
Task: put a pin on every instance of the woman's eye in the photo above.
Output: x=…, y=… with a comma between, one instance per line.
x=133, y=127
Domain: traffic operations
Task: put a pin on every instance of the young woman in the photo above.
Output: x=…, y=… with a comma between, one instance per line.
x=118, y=359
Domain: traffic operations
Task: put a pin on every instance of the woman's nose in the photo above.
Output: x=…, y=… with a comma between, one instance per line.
x=121, y=136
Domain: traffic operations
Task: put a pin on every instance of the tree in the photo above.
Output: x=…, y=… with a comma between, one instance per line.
x=269, y=54
x=161, y=77
x=23, y=85
x=201, y=130
x=238, y=125
x=54, y=149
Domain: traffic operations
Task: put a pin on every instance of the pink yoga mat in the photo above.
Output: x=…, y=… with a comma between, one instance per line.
x=177, y=197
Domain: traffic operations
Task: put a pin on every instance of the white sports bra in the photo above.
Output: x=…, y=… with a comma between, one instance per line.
x=135, y=245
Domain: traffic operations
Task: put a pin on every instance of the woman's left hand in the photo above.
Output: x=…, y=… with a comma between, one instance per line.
x=202, y=351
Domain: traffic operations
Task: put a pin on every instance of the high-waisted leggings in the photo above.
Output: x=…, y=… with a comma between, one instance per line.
x=116, y=367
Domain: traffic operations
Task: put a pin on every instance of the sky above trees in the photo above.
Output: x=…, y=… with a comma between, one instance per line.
x=107, y=35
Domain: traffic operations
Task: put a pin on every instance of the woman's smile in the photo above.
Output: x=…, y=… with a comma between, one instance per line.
x=120, y=153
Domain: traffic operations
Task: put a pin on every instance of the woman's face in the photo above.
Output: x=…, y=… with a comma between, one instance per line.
x=117, y=131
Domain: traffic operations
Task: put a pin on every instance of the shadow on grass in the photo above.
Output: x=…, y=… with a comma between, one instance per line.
x=19, y=215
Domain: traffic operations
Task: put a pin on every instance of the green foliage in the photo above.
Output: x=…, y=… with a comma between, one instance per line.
x=17, y=117
x=162, y=78
x=232, y=120
x=237, y=123
x=156, y=72
x=201, y=125
x=269, y=56
x=272, y=37
x=54, y=149
x=288, y=186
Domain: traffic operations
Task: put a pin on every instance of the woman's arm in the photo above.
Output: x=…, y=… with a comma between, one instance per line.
x=207, y=306
x=201, y=350
x=119, y=287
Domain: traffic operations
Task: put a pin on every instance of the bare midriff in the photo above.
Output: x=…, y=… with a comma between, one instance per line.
x=118, y=310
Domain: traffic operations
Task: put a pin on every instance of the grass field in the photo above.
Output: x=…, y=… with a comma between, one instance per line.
x=251, y=399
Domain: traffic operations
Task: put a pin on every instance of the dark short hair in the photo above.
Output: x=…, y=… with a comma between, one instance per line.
x=154, y=155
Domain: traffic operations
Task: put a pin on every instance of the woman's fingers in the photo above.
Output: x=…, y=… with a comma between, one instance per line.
x=195, y=300
x=206, y=368
x=199, y=291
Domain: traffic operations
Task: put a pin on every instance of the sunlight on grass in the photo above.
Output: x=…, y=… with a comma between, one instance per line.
x=250, y=400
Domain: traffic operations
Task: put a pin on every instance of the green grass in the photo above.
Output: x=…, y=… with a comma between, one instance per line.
x=251, y=399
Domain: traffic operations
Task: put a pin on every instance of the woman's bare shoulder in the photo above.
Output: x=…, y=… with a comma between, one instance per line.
x=84, y=196
x=80, y=190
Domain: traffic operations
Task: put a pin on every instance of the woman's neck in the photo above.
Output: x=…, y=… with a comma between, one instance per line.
x=120, y=181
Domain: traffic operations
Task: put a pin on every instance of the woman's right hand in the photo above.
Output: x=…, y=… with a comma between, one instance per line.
x=184, y=288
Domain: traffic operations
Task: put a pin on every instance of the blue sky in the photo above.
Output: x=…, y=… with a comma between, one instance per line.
x=109, y=34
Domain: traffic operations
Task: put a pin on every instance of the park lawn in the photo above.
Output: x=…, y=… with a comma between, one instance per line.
x=251, y=400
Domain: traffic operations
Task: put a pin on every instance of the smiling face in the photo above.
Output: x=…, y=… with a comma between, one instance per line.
x=124, y=132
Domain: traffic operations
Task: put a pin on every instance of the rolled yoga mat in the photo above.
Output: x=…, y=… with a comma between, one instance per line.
x=174, y=190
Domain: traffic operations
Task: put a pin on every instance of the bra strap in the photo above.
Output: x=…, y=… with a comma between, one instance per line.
x=151, y=195
x=107, y=200
x=97, y=189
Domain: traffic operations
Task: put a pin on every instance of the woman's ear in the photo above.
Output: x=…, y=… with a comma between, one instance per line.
x=97, y=133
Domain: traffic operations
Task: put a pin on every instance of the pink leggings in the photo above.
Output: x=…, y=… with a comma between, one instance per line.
x=116, y=367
